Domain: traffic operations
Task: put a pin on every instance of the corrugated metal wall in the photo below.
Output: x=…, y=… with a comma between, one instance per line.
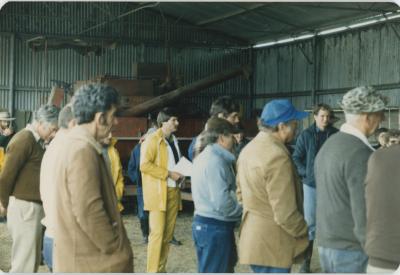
x=368, y=56
x=35, y=70
x=4, y=72
x=74, y=18
x=142, y=39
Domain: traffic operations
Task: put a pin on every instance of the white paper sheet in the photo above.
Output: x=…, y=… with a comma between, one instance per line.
x=184, y=167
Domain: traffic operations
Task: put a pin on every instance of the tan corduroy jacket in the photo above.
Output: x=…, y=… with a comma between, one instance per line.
x=273, y=231
x=89, y=234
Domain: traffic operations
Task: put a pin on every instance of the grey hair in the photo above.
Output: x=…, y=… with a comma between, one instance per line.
x=91, y=99
x=65, y=116
x=46, y=114
x=205, y=138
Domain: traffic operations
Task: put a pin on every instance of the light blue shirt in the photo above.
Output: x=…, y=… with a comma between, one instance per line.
x=214, y=185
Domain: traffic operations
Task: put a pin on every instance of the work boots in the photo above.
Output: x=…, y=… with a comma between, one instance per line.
x=144, y=226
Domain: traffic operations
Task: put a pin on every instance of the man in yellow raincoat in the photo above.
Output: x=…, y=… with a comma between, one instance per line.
x=111, y=155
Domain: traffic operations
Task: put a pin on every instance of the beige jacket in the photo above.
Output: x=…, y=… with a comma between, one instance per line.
x=89, y=234
x=47, y=183
x=273, y=231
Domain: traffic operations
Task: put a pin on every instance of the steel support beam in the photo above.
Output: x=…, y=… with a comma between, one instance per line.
x=314, y=71
x=12, y=75
x=381, y=87
x=251, y=78
x=226, y=16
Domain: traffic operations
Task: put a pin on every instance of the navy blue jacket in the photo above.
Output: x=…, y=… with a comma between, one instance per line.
x=305, y=152
x=134, y=166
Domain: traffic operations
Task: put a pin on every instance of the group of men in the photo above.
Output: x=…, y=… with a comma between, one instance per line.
x=343, y=197
x=349, y=203
x=73, y=182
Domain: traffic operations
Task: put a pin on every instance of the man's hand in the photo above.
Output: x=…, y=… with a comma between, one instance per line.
x=174, y=175
x=8, y=131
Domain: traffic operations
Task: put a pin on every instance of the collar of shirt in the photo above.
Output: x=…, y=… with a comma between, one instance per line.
x=29, y=127
x=318, y=130
x=228, y=156
x=351, y=130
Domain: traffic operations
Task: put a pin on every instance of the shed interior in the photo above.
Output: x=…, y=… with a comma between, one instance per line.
x=313, y=52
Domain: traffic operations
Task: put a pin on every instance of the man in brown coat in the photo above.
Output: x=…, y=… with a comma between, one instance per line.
x=89, y=234
x=382, y=189
x=273, y=230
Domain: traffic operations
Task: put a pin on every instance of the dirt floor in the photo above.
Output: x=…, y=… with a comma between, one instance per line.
x=181, y=259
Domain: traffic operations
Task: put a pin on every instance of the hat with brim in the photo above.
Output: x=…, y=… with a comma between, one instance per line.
x=5, y=116
x=363, y=99
x=280, y=111
x=221, y=126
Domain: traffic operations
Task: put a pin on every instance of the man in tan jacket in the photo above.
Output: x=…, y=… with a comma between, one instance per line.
x=273, y=230
x=89, y=234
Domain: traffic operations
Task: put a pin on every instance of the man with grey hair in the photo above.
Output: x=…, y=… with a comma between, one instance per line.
x=89, y=234
x=340, y=170
x=47, y=184
x=19, y=189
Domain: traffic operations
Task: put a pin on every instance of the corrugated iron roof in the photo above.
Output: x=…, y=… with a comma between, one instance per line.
x=205, y=23
x=260, y=21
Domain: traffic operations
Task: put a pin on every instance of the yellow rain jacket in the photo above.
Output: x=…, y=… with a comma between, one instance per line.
x=153, y=166
x=116, y=171
x=2, y=157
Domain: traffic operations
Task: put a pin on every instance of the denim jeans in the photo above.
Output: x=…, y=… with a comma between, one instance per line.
x=310, y=201
x=48, y=251
x=215, y=245
x=142, y=214
x=268, y=269
x=342, y=261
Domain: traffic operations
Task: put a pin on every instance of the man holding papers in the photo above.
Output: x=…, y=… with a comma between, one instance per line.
x=159, y=154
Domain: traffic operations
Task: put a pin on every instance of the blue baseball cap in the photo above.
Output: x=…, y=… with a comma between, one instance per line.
x=280, y=110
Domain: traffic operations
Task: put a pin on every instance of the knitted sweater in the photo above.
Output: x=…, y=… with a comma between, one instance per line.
x=21, y=171
x=340, y=170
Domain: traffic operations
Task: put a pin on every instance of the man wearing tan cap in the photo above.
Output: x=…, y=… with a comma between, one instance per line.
x=340, y=170
x=6, y=132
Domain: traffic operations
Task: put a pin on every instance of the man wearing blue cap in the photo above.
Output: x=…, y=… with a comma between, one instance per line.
x=273, y=231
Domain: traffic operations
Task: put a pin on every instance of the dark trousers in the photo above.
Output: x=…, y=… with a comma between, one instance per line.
x=268, y=269
x=215, y=245
x=142, y=214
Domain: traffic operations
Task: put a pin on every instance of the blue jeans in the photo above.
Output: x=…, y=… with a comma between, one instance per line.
x=48, y=251
x=215, y=245
x=310, y=202
x=143, y=215
x=342, y=261
x=268, y=269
